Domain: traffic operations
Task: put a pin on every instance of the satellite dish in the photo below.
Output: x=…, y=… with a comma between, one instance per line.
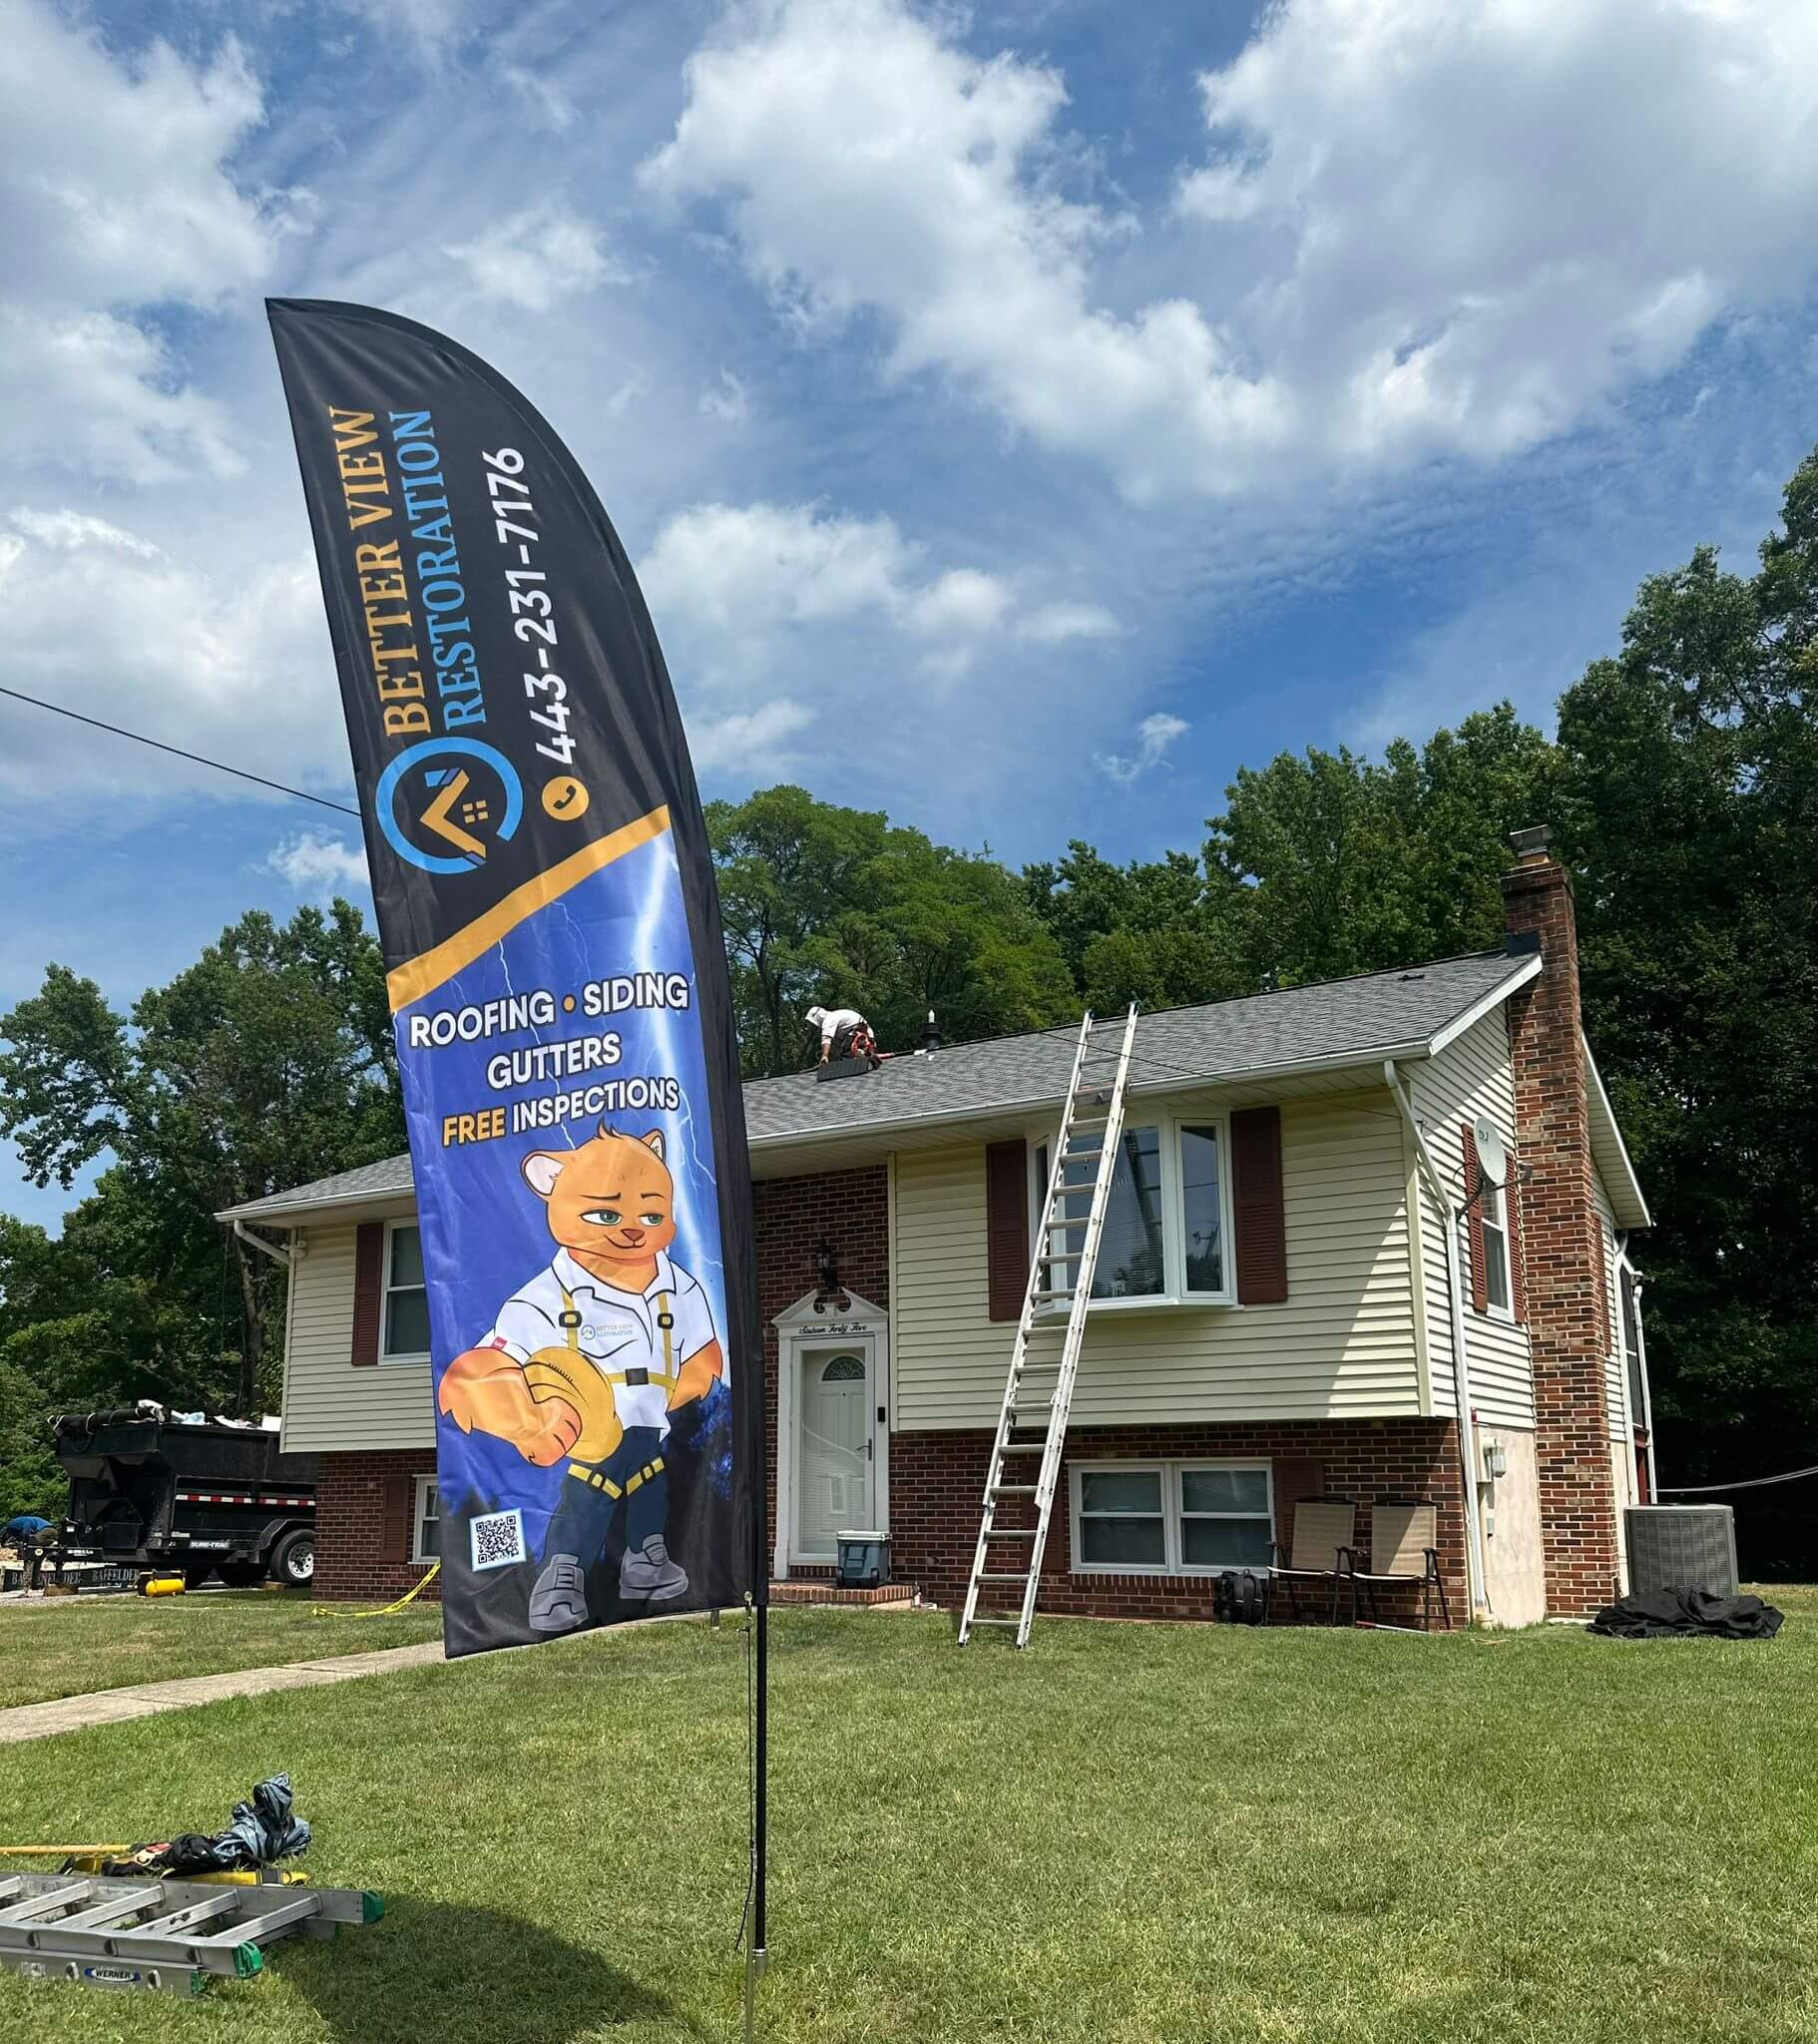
x=1492, y=1161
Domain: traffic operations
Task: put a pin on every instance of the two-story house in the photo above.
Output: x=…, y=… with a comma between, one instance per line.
x=1309, y=1284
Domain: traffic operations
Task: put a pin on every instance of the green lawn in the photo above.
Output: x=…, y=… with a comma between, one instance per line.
x=1129, y=1833
x=66, y=1645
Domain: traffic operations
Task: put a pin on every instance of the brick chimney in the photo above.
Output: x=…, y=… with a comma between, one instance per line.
x=1561, y=1237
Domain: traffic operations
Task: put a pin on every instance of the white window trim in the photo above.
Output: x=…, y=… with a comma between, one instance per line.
x=1173, y=1292
x=1499, y=1195
x=396, y=1354
x=419, y=1496
x=1170, y=1474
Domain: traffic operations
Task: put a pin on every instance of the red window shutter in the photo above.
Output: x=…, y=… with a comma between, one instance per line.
x=1262, y=1236
x=1512, y=1214
x=397, y=1499
x=1006, y=1228
x=1294, y=1479
x=1474, y=1225
x=368, y=1290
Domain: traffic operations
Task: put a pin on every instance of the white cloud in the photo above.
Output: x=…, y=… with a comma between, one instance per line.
x=1429, y=229
x=102, y=620
x=116, y=195
x=728, y=402
x=1154, y=734
x=536, y=257
x=319, y=866
x=1052, y=624
x=747, y=744
x=733, y=582
x=547, y=100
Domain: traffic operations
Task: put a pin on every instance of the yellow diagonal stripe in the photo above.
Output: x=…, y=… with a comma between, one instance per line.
x=408, y=983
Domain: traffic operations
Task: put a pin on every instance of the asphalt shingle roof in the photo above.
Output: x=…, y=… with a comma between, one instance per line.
x=1373, y=1016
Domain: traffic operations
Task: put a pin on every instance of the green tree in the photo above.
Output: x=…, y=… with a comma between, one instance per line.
x=267, y=1063
x=1356, y=866
x=1690, y=784
x=833, y=905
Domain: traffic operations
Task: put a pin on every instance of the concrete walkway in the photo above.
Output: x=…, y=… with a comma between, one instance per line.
x=146, y=1699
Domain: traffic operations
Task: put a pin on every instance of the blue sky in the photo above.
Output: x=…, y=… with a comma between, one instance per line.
x=1021, y=415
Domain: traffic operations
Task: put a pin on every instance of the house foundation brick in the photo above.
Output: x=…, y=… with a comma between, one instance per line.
x=937, y=1489
x=350, y=1525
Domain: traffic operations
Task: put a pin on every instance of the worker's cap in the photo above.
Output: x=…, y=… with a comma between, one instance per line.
x=817, y=1014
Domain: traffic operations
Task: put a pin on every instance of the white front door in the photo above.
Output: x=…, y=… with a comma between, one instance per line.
x=835, y=1458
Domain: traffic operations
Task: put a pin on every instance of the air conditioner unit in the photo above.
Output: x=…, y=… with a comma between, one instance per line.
x=1681, y=1547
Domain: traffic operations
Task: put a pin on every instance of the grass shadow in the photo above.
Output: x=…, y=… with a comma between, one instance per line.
x=465, y=1975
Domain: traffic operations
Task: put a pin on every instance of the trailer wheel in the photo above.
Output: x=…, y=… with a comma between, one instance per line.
x=194, y=1574
x=294, y=1561
x=241, y=1575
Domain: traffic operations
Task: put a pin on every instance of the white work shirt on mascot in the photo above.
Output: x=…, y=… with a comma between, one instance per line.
x=619, y=1333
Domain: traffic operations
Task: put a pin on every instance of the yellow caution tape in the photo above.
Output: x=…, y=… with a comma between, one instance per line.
x=385, y=1610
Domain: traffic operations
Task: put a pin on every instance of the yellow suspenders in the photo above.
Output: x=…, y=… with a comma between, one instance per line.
x=665, y=1320
x=570, y=1329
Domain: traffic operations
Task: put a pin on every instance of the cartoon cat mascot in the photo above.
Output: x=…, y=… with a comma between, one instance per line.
x=588, y=1361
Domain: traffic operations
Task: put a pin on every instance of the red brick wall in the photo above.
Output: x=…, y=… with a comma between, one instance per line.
x=1562, y=1249
x=850, y=1211
x=937, y=1485
x=349, y=1524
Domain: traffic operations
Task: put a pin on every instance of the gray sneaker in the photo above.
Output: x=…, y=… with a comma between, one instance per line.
x=558, y=1602
x=648, y=1572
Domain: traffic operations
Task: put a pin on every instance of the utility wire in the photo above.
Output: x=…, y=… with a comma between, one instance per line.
x=159, y=745
x=1748, y=1483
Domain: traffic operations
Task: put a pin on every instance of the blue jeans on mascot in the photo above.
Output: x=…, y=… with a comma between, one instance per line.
x=633, y=1478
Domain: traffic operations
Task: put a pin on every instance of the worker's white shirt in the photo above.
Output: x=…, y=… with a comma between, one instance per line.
x=619, y=1331
x=834, y=1020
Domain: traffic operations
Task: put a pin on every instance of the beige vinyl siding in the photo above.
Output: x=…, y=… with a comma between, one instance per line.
x=328, y=1404
x=1341, y=1345
x=1469, y=1078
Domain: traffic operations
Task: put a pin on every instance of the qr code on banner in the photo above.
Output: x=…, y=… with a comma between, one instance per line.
x=498, y=1539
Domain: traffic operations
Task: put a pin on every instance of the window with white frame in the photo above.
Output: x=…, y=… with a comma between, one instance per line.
x=1495, y=1245
x=406, y=1294
x=426, y=1541
x=1167, y=1222
x=1172, y=1518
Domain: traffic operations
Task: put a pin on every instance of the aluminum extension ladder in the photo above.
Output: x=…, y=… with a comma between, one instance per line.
x=1038, y=1391
x=167, y=1936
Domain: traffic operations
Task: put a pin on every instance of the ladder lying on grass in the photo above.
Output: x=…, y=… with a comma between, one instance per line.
x=165, y=1935
x=1039, y=1393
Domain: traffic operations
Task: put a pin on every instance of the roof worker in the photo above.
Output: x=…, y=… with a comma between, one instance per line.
x=844, y=1033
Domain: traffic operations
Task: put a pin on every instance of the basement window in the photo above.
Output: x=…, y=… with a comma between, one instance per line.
x=426, y=1539
x=1172, y=1518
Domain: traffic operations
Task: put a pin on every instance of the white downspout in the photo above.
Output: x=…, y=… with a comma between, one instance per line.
x=1461, y=1368
x=1647, y=1404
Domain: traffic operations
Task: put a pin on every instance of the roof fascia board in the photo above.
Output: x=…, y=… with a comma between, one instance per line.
x=280, y=1213
x=1624, y=1165
x=1481, y=1006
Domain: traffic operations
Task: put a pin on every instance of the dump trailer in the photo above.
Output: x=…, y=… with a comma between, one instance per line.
x=184, y=1496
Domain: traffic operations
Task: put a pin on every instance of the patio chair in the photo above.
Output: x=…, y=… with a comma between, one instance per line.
x=1403, y=1553
x=1324, y=1529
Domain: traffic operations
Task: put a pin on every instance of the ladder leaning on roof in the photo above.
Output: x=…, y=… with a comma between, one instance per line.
x=1038, y=1391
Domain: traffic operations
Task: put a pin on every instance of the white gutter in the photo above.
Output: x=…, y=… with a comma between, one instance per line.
x=1450, y=1214
x=258, y=1241
x=1647, y=1404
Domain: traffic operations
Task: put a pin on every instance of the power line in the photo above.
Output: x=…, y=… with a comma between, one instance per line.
x=1748, y=1483
x=157, y=745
